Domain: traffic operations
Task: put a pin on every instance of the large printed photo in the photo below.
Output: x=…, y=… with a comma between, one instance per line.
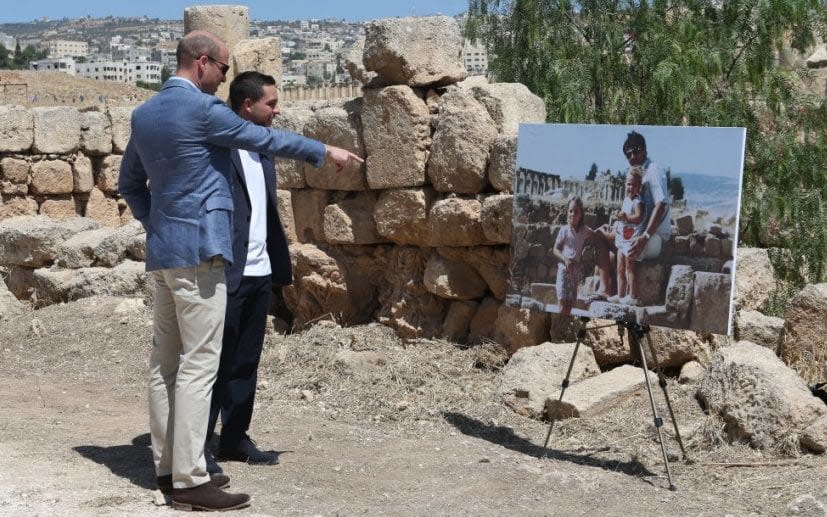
x=632, y=223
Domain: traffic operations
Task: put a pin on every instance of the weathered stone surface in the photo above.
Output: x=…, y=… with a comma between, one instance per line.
x=597, y=394
x=712, y=246
x=59, y=208
x=120, y=119
x=710, y=303
x=33, y=241
x=685, y=224
x=491, y=263
x=107, y=177
x=102, y=209
x=52, y=177
x=677, y=299
x=63, y=285
x=691, y=373
x=99, y=247
x=534, y=373
x=759, y=329
x=760, y=398
x=15, y=170
x=406, y=306
x=402, y=215
x=291, y=172
x=10, y=307
x=461, y=143
x=496, y=218
x=503, y=162
x=456, y=222
x=417, y=51
x=804, y=346
x=308, y=210
x=674, y=347
x=95, y=133
x=17, y=206
x=397, y=133
x=259, y=54
x=20, y=281
x=509, y=104
x=231, y=23
x=517, y=328
x=16, y=129
x=353, y=362
x=457, y=320
x=83, y=178
x=452, y=279
x=351, y=221
x=754, y=279
x=342, y=127
x=284, y=200
x=814, y=436
x=56, y=130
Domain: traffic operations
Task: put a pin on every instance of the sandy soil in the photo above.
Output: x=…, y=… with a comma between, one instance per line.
x=417, y=430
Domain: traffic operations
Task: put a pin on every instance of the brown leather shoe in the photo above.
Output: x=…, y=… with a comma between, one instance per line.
x=165, y=482
x=207, y=498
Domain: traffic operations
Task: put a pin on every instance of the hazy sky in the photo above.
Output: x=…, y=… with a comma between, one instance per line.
x=351, y=10
x=570, y=150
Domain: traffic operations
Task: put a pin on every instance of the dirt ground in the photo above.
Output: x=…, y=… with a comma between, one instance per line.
x=366, y=424
x=32, y=89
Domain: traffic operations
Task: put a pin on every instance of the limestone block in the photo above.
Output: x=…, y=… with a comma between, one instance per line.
x=290, y=173
x=491, y=263
x=496, y=218
x=814, y=436
x=59, y=208
x=691, y=373
x=99, y=247
x=484, y=322
x=517, y=328
x=56, y=130
x=95, y=133
x=685, y=224
x=102, y=209
x=33, y=241
x=457, y=320
x=534, y=373
x=452, y=279
x=598, y=394
x=712, y=246
x=83, y=178
x=16, y=129
x=456, y=222
x=52, y=177
x=710, y=303
x=308, y=213
x=63, y=285
x=680, y=246
x=678, y=298
x=804, y=346
x=417, y=51
x=397, y=134
x=651, y=277
x=754, y=278
x=461, y=144
x=760, y=398
x=544, y=293
x=20, y=281
x=759, y=329
x=14, y=170
x=673, y=347
x=318, y=285
x=107, y=177
x=510, y=104
x=10, y=306
x=120, y=119
x=284, y=200
x=402, y=216
x=351, y=221
x=231, y=23
x=260, y=54
x=503, y=162
x=17, y=206
x=342, y=127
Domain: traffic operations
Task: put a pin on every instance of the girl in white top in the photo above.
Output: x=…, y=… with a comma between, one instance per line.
x=568, y=249
x=631, y=223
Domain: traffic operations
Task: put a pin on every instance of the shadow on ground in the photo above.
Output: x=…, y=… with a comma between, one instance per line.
x=132, y=462
x=505, y=437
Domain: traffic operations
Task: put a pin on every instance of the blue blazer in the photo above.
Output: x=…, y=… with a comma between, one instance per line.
x=276, y=240
x=175, y=172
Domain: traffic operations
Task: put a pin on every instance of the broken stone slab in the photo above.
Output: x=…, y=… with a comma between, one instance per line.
x=33, y=241
x=56, y=130
x=804, y=346
x=597, y=394
x=57, y=285
x=761, y=399
x=710, y=303
x=754, y=278
x=340, y=126
x=10, y=306
x=517, y=327
x=691, y=373
x=673, y=347
x=490, y=262
x=510, y=104
x=16, y=129
x=814, y=437
x=534, y=373
x=759, y=329
x=401, y=215
x=417, y=51
x=453, y=280
x=99, y=247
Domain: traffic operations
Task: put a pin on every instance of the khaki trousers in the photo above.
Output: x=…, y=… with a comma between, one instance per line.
x=188, y=327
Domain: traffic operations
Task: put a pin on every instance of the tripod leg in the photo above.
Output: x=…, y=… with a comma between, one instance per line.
x=662, y=384
x=581, y=333
x=636, y=335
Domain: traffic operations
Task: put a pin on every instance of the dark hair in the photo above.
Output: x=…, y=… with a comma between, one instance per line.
x=578, y=202
x=634, y=139
x=194, y=45
x=248, y=85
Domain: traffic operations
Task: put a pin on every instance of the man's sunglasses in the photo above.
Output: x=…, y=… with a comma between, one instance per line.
x=224, y=67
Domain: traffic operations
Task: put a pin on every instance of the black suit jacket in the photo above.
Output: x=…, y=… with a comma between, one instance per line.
x=276, y=239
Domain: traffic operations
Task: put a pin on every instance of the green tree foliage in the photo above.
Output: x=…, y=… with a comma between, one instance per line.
x=592, y=174
x=686, y=62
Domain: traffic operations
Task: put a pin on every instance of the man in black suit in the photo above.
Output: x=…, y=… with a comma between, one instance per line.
x=260, y=244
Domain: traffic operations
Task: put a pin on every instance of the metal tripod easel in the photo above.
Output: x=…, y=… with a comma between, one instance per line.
x=635, y=332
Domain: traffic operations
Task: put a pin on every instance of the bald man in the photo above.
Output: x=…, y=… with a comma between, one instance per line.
x=180, y=146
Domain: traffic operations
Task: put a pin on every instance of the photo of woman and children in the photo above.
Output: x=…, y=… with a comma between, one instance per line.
x=601, y=229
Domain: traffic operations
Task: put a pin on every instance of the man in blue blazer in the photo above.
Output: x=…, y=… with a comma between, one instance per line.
x=262, y=259
x=175, y=178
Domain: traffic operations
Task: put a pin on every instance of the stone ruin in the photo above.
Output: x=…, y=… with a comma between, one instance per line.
x=416, y=238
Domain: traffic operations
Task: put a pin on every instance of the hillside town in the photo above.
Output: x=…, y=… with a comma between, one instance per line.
x=141, y=51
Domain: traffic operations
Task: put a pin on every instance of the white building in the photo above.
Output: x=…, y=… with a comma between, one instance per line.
x=475, y=58
x=121, y=71
x=64, y=48
x=8, y=41
x=64, y=64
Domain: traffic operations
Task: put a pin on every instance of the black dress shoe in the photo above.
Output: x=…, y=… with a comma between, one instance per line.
x=165, y=482
x=207, y=498
x=246, y=450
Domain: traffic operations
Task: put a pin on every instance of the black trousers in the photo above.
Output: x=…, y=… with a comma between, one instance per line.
x=235, y=386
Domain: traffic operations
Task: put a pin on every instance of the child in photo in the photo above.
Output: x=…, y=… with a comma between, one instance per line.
x=568, y=249
x=631, y=223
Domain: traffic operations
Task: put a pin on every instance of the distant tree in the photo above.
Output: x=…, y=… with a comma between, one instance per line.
x=80, y=59
x=148, y=86
x=6, y=60
x=165, y=74
x=592, y=174
x=676, y=188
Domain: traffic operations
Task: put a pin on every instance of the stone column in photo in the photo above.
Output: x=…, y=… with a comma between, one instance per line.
x=231, y=23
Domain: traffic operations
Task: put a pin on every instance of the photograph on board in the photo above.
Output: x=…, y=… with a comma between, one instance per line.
x=632, y=223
